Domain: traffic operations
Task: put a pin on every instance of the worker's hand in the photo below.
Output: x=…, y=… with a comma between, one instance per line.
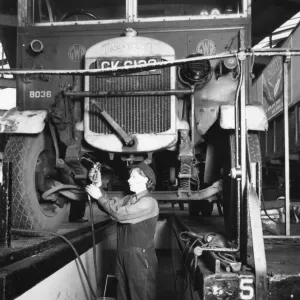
x=93, y=191
x=95, y=177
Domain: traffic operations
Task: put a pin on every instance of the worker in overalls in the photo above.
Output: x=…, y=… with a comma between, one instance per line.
x=137, y=214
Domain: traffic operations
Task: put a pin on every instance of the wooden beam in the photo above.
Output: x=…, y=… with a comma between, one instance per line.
x=7, y=83
x=8, y=20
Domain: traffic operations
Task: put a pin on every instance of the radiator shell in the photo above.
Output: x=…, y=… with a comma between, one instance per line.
x=150, y=120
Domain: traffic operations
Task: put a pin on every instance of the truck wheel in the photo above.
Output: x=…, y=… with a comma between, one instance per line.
x=229, y=184
x=230, y=191
x=203, y=206
x=33, y=161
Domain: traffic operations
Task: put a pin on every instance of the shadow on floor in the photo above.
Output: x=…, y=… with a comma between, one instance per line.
x=165, y=277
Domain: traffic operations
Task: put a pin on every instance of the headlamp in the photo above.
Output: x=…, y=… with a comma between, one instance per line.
x=197, y=71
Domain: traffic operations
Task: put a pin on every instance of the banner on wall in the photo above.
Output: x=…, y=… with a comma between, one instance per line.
x=272, y=87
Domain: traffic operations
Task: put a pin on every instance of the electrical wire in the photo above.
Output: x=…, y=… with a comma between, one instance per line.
x=191, y=288
x=264, y=208
x=94, y=240
x=240, y=80
x=182, y=238
x=46, y=233
x=188, y=249
x=185, y=249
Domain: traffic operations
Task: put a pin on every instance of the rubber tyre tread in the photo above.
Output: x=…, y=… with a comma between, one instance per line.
x=23, y=152
x=229, y=188
x=254, y=147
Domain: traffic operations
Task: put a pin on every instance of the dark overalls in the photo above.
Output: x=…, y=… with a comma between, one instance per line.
x=136, y=264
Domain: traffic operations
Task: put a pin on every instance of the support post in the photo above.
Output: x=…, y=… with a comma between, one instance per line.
x=286, y=145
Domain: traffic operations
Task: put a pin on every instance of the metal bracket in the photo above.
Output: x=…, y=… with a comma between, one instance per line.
x=236, y=173
x=73, y=159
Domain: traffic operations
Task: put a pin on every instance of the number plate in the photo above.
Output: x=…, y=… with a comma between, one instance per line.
x=40, y=94
x=130, y=61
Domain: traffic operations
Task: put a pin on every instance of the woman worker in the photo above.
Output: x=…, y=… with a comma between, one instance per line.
x=137, y=214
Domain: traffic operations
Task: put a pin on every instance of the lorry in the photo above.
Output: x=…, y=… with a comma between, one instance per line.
x=166, y=83
x=178, y=117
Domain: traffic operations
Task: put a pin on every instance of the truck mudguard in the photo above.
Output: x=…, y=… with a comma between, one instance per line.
x=255, y=117
x=28, y=121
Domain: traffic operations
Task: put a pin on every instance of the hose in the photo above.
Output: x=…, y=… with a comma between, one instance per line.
x=47, y=196
x=70, y=191
x=217, y=240
x=46, y=233
x=94, y=240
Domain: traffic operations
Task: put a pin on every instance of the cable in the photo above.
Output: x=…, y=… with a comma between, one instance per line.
x=182, y=238
x=191, y=289
x=45, y=233
x=263, y=199
x=182, y=270
x=94, y=240
x=240, y=80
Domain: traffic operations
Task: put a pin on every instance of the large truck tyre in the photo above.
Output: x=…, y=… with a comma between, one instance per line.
x=33, y=159
x=229, y=185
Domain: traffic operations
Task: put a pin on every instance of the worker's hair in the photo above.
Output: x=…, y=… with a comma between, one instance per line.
x=149, y=184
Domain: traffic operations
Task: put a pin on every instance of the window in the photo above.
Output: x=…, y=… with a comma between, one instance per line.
x=167, y=8
x=77, y=10
x=54, y=12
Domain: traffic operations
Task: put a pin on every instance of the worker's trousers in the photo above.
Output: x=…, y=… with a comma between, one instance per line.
x=136, y=270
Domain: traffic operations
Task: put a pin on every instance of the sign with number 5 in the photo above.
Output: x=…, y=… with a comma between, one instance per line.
x=246, y=288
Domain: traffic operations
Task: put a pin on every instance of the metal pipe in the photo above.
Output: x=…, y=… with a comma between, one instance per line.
x=274, y=136
x=243, y=131
x=162, y=64
x=124, y=69
x=283, y=237
x=237, y=120
x=192, y=117
x=266, y=142
x=175, y=195
x=127, y=93
x=286, y=146
x=126, y=138
x=5, y=205
x=243, y=167
x=237, y=153
x=277, y=50
x=296, y=137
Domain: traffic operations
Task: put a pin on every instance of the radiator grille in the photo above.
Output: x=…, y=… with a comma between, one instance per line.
x=139, y=114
